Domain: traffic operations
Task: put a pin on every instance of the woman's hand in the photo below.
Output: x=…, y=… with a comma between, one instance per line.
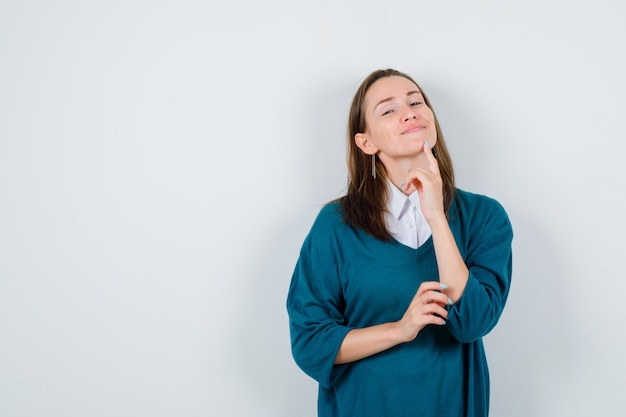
x=427, y=307
x=429, y=185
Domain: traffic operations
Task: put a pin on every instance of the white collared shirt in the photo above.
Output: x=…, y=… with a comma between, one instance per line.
x=404, y=218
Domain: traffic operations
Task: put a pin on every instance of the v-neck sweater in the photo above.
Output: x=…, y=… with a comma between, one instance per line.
x=346, y=279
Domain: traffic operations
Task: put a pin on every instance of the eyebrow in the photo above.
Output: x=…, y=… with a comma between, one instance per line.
x=410, y=93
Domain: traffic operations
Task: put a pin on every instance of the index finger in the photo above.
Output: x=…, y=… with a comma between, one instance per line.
x=433, y=164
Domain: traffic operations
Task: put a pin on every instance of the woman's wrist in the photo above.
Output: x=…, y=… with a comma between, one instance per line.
x=437, y=221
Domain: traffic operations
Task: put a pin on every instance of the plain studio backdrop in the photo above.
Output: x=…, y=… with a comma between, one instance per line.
x=161, y=163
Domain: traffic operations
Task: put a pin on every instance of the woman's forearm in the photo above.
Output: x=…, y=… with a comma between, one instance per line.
x=452, y=269
x=426, y=308
x=368, y=341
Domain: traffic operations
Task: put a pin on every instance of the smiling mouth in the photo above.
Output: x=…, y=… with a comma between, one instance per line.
x=413, y=129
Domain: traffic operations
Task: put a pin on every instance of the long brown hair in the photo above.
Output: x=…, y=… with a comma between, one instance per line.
x=365, y=202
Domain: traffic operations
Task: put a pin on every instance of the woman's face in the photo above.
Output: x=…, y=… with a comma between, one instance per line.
x=398, y=120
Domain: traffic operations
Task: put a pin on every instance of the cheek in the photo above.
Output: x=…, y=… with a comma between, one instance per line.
x=377, y=131
x=430, y=116
x=433, y=137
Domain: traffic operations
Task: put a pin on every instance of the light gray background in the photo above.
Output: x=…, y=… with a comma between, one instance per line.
x=161, y=163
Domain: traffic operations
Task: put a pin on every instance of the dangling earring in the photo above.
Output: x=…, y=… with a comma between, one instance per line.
x=374, y=165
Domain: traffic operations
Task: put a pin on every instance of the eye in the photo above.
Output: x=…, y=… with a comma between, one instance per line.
x=416, y=103
x=386, y=112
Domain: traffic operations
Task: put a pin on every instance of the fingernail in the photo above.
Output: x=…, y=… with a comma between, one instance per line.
x=449, y=301
x=444, y=322
x=444, y=286
x=426, y=143
x=401, y=183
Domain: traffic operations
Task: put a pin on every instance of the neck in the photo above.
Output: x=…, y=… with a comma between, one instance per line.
x=398, y=169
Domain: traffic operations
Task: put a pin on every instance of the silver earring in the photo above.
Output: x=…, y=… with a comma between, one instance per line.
x=374, y=165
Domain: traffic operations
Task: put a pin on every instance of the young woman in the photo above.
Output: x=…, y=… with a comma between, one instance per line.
x=398, y=281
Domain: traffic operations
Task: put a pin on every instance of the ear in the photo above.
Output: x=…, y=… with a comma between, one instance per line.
x=364, y=143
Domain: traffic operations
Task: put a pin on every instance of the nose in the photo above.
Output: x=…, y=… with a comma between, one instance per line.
x=408, y=115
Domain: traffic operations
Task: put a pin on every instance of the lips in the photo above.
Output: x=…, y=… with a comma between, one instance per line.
x=413, y=129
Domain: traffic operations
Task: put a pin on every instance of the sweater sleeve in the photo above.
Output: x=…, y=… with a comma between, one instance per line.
x=489, y=260
x=315, y=307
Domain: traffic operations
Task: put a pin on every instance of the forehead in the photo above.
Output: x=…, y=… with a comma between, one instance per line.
x=389, y=87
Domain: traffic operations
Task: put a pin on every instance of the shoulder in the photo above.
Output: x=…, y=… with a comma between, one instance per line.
x=328, y=235
x=479, y=211
x=329, y=216
x=468, y=202
x=329, y=223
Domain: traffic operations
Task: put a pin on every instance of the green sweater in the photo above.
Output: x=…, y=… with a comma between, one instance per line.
x=346, y=279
